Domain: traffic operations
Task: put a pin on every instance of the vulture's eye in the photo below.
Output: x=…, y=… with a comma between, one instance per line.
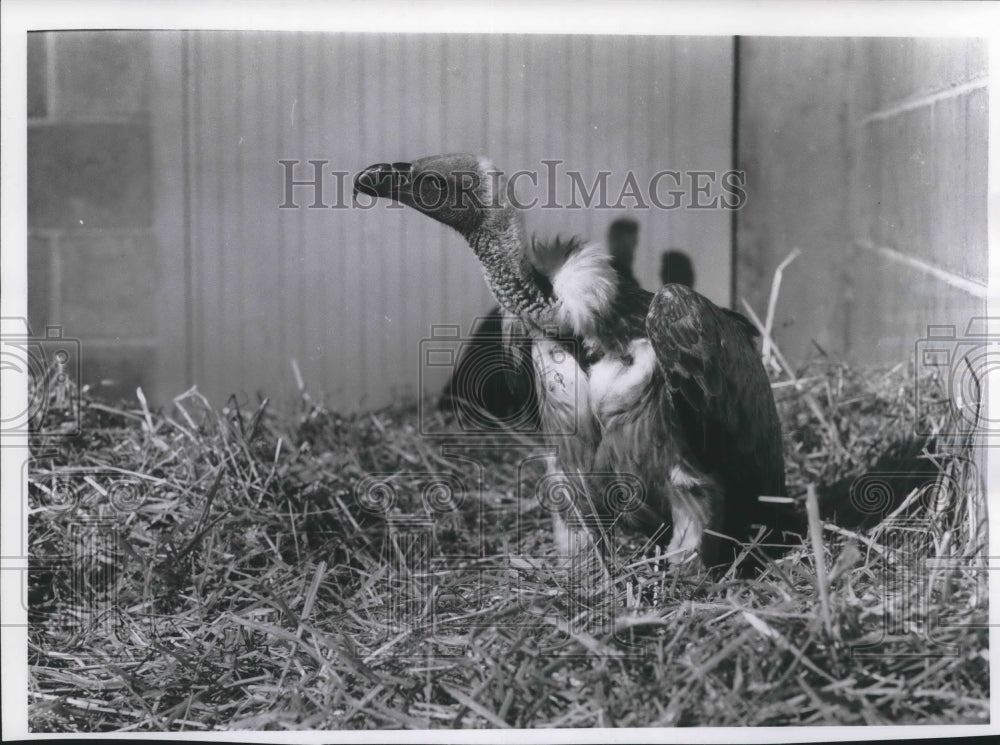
x=431, y=190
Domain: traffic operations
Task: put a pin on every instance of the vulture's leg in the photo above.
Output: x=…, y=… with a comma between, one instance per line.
x=560, y=525
x=572, y=531
x=695, y=505
x=584, y=549
x=580, y=566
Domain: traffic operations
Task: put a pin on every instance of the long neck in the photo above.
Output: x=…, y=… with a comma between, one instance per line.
x=498, y=242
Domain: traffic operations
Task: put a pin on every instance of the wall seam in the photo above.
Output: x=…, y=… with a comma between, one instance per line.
x=735, y=155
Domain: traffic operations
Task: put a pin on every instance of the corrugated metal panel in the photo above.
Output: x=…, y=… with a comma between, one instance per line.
x=349, y=293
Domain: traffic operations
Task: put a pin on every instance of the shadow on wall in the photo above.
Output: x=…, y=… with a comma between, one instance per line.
x=676, y=268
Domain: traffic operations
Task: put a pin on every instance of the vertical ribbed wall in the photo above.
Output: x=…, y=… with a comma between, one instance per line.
x=349, y=293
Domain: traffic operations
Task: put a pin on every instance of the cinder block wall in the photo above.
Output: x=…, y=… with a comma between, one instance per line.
x=90, y=202
x=870, y=156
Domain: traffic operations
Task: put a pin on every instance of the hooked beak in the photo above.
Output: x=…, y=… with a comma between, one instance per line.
x=387, y=180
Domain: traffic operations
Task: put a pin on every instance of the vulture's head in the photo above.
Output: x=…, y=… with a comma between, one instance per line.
x=565, y=282
x=469, y=194
x=460, y=190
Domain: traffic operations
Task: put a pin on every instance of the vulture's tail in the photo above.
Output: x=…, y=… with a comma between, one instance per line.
x=863, y=501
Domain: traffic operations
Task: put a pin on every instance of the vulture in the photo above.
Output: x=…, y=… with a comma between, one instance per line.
x=492, y=389
x=667, y=389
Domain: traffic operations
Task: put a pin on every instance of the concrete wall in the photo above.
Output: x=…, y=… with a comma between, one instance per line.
x=871, y=160
x=92, y=260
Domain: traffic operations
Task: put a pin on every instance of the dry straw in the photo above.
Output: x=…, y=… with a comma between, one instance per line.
x=250, y=585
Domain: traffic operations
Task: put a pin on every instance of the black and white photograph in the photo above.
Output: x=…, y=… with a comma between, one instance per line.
x=598, y=369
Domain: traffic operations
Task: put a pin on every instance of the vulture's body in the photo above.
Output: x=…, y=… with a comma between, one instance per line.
x=665, y=387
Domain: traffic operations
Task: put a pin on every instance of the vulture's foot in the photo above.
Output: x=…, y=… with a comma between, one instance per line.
x=684, y=550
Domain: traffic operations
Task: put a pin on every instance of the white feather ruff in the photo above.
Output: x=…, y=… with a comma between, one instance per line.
x=585, y=287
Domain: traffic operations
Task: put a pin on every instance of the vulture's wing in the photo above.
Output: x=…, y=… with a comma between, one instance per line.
x=720, y=399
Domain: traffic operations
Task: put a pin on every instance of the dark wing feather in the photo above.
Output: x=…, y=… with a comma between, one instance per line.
x=721, y=401
x=627, y=318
